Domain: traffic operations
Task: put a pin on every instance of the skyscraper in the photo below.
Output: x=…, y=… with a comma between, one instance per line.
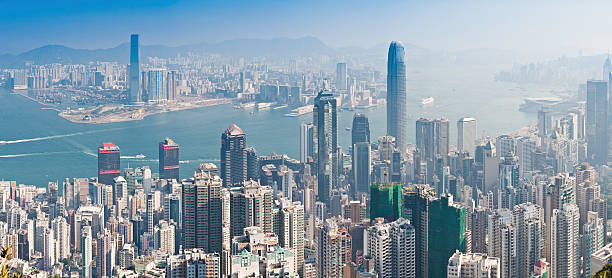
x=362, y=167
x=505, y=144
x=597, y=122
x=134, y=74
x=233, y=156
x=432, y=140
x=169, y=159
x=252, y=164
x=467, y=132
x=503, y=242
x=291, y=230
x=386, y=201
x=544, y=122
x=109, y=163
x=361, y=129
x=105, y=259
x=202, y=208
x=525, y=150
x=86, y=243
x=251, y=205
x=397, y=120
x=417, y=199
x=61, y=231
x=557, y=195
x=447, y=226
x=306, y=140
x=593, y=239
x=171, y=83
x=341, y=77
x=325, y=144
x=391, y=247
x=565, y=242
x=509, y=171
x=360, y=143
x=607, y=68
x=157, y=85
x=529, y=222
x=334, y=249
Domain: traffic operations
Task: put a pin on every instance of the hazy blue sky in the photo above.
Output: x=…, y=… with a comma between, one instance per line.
x=441, y=25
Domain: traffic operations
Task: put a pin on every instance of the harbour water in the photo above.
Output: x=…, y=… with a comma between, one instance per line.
x=41, y=147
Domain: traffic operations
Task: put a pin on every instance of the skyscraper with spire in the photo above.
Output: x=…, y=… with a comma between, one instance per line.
x=135, y=94
x=607, y=68
x=396, y=95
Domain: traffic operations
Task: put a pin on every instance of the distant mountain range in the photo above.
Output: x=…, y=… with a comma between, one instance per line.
x=279, y=47
x=306, y=46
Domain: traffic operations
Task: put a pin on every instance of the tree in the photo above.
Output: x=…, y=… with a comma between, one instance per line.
x=6, y=253
x=605, y=272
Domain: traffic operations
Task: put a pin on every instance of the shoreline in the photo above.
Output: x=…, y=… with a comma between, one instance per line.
x=134, y=113
x=126, y=113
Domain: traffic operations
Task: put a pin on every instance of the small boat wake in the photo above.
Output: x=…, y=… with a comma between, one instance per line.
x=30, y=154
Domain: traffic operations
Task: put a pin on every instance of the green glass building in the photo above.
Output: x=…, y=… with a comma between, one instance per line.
x=386, y=201
x=447, y=226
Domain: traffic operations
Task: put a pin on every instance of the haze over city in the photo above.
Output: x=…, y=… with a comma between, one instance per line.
x=541, y=27
x=305, y=139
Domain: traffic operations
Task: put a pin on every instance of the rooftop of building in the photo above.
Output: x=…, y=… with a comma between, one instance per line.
x=234, y=130
x=605, y=253
x=109, y=146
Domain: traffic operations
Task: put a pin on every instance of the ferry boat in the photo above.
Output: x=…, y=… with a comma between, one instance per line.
x=281, y=106
x=427, y=100
x=263, y=105
x=140, y=156
x=300, y=111
x=247, y=105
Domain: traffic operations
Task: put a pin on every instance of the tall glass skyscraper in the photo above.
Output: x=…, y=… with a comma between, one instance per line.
x=397, y=121
x=134, y=71
x=597, y=122
x=325, y=144
x=467, y=132
x=361, y=129
x=360, y=142
x=157, y=85
x=341, y=77
x=306, y=133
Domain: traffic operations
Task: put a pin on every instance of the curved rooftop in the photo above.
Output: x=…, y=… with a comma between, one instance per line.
x=234, y=130
x=396, y=53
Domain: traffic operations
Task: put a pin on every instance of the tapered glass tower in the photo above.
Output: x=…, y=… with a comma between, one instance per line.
x=396, y=94
x=134, y=71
